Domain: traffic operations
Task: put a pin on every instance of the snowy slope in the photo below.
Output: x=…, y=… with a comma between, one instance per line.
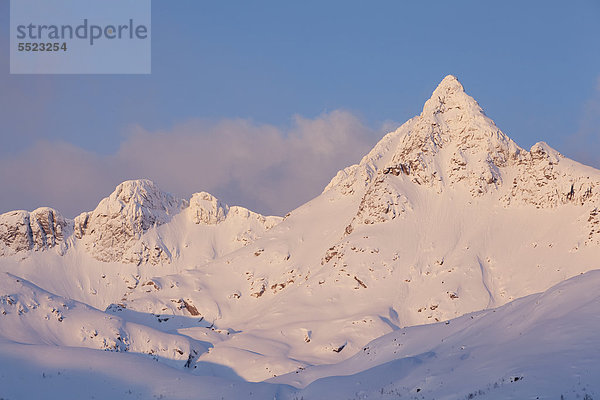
x=446, y=216
x=52, y=372
x=542, y=346
x=31, y=315
x=135, y=234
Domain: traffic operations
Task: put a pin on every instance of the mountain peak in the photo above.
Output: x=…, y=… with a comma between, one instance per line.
x=138, y=191
x=450, y=96
x=207, y=209
x=451, y=142
x=138, y=196
x=121, y=218
x=449, y=83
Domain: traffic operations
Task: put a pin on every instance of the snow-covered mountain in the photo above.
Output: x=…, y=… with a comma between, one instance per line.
x=446, y=216
x=125, y=226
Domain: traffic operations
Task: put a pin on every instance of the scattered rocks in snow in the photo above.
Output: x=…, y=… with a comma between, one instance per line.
x=361, y=283
x=258, y=287
x=187, y=305
x=307, y=336
x=339, y=348
x=382, y=202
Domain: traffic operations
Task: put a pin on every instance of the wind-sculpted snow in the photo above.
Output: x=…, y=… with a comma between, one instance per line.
x=31, y=315
x=541, y=346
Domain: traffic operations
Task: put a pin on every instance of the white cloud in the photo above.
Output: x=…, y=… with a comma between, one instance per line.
x=258, y=166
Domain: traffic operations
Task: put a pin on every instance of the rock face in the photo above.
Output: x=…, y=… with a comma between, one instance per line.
x=453, y=141
x=545, y=178
x=113, y=228
x=382, y=202
x=207, y=209
x=452, y=145
x=40, y=229
x=243, y=225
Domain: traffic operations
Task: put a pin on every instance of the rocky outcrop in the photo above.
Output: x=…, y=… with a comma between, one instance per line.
x=207, y=209
x=40, y=229
x=119, y=221
x=544, y=178
x=382, y=202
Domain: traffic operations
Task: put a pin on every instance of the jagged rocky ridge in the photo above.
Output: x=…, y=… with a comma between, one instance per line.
x=454, y=145
x=115, y=230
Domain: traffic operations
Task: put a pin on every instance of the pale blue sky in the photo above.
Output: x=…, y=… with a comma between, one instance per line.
x=533, y=65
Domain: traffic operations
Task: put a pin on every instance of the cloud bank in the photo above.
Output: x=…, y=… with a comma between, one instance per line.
x=262, y=167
